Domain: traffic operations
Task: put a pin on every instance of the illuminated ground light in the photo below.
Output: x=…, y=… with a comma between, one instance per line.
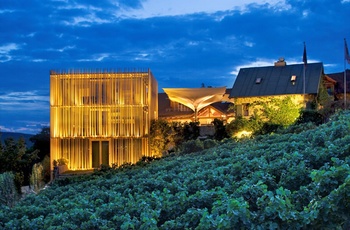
x=243, y=133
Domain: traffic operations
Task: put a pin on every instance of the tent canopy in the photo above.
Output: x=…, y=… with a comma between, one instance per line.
x=195, y=98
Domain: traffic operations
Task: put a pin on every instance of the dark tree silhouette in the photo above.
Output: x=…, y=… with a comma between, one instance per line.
x=41, y=142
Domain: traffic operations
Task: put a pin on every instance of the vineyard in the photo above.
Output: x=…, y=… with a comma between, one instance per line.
x=298, y=179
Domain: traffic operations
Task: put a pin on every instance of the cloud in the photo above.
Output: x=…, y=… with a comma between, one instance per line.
x=161, y=8
x=24, y=112
x=86, y=20
x=142, y=57
x=260, y=62
x=75, y=6
x=39, y=60
x=69, y=47
x=6, y=11
x=5, y=49
x=25, y=126
x=96, y=57
x=256, y=63
x=26, y=101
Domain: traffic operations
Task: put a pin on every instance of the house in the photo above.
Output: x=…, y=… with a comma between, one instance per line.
x=302, y=83
x=339, y=86
x=101, y=117
x=194, y=104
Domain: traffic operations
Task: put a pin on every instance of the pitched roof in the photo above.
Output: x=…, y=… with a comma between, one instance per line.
x=277, y=80
x=339, y=78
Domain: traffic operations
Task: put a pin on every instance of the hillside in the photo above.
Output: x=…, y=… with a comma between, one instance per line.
x=16, y=136
x=296, y=180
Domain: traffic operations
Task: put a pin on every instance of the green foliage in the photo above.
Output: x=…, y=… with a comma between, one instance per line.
x=220, y=130
x=307, y=116
x=191, y=146
x=298, y=128
x=15, y=158
x=209, y=143
x=323, y=97
x=8, y=192
x=281, y=112
x=253, y=125
x=159, y=136
x=295, y=180
x=46, y=169
x=62, y=161
x=268, y=128
x=37, y=179
x=190, y=131
x=329, y=108
x=165, y=136
x=41, y=143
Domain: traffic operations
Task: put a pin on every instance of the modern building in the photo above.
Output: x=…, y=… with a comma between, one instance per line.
x=303, y=83
x=101, y=117
x=195, y=104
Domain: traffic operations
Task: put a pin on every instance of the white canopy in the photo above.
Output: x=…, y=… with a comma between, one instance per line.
x=195, y=98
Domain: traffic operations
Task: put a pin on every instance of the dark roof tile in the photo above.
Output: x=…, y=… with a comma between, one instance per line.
x=276, y=80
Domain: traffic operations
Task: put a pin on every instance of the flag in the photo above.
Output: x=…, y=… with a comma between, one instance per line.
x=346, y=52
x=304, y=56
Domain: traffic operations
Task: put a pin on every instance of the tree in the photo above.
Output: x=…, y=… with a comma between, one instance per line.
x=15, y=158
x=191, y=131
x=159, y=136
x=36, y=178
x=8, y=194
x=220, y=130
x=41, y=142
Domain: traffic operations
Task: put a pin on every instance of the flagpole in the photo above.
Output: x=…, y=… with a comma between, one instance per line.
x=346, y=59
x=304, y=80
x=344, y=83
x=305, y=63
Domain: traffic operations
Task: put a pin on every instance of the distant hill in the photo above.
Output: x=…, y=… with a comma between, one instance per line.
x=16, y=136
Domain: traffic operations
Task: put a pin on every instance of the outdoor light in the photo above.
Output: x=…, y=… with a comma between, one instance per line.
x=243, y=133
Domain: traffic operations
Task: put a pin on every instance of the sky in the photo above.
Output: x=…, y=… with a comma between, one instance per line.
x=185, y=43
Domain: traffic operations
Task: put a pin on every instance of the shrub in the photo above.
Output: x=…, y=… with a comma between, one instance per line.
x=36, y=179
x=307, y=116
x=62, y=161
x=46, y=169
x=268, y=128
x=191, y=146
x=220, y=130
x=8, y=193
x=209, y=143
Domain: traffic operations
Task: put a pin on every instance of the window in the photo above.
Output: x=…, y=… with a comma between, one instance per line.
x=258, y=80
x=293, y=78
x=246, y=110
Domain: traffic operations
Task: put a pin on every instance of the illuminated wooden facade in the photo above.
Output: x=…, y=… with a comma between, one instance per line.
x=101, y=117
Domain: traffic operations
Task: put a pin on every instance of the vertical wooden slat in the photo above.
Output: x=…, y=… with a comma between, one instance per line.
x=101, y=105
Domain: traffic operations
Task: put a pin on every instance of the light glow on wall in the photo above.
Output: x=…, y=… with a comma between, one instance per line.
x=101, y=117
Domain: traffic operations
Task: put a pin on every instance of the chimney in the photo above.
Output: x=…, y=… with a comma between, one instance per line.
x=281, y=62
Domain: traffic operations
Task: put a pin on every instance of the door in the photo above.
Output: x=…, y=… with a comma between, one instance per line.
x=100, y=153
x=105, y=152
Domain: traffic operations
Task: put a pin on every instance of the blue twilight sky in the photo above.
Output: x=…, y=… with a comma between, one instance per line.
x=184, y=42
